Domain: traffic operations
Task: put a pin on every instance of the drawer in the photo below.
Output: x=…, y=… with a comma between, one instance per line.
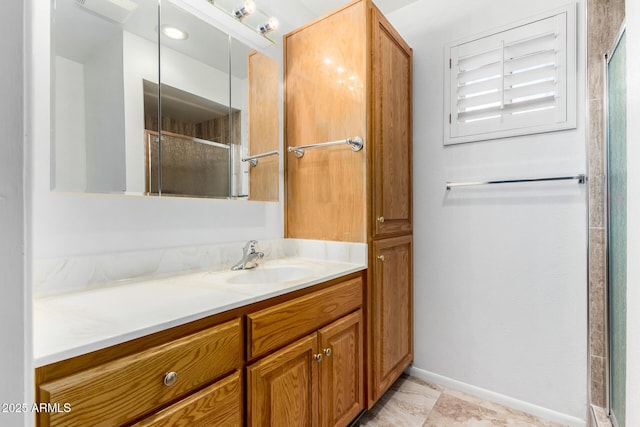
x=274, y=327
x=218, y=405
x=124, y=389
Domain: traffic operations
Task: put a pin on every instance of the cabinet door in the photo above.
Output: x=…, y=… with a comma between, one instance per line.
x=341, y=371
x=391, y=313
x=392, y=130
x=282, y=387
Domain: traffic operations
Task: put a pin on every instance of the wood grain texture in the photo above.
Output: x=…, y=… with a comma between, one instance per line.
x=120, y=391
x=391, y=313
x=282, y=388
x=325, y=100
x=341, y=391
x=391, y=106
x=274, y=327
x=323, y=190
x=264, y=125
x=218, y=405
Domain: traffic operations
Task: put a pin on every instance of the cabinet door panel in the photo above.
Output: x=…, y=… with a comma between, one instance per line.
x=341, y=371
x=392, y=122
x=282, y=389
x=391, y=333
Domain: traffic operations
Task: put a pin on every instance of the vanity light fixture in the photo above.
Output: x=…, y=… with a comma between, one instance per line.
x=174, y=33
x=271, y=25
x=247, y=9
x=214, y=13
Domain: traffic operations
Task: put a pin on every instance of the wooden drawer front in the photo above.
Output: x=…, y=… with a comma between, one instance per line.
x=127, y=388
x=218, y=405
x=274, y=327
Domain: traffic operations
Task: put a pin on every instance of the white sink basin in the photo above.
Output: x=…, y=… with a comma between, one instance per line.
x=274, y=274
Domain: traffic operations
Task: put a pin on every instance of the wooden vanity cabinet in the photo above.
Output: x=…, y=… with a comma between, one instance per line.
x=349, y=74
x=127, y=388
x=318, y=379
x=296, y=359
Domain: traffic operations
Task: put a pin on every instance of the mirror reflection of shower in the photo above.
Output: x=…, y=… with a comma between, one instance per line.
x=199, y=140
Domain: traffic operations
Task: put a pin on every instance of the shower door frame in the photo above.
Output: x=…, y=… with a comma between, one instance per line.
x=607, y=335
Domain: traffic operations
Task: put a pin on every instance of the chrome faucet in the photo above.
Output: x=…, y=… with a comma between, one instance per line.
x=250, y=257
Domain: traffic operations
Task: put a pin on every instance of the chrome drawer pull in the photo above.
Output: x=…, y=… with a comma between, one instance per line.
x=327, y=352
x=170, y=378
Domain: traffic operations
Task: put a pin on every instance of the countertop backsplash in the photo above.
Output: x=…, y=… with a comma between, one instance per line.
x=70, y=274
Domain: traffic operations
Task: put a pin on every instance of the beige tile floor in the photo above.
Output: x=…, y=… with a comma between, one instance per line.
x=412, y=402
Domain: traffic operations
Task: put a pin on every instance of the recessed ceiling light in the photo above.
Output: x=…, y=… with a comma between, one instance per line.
x=174, y=32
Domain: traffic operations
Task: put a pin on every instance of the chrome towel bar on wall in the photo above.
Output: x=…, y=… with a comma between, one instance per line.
x=582, y=178
x=253, y=160
x=356, y=144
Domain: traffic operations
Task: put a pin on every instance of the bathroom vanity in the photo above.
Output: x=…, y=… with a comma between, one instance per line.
x=232, y=341
x=294, y=341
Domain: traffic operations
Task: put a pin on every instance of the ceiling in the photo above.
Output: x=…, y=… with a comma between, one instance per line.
x=321, y=7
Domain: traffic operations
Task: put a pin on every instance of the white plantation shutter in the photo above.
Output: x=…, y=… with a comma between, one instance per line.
x=517, y=81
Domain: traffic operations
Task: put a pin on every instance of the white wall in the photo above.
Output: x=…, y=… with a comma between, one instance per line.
x=633, y=213
x=15, y=324
x=500, y=282
x=70, y=136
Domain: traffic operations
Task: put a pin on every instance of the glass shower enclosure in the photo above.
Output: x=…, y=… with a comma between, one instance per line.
x=617, y=226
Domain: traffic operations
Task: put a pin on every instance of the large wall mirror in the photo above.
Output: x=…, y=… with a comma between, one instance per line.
x=149, y=99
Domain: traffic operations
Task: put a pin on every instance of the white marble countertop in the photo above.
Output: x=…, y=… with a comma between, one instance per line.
x=76, y=323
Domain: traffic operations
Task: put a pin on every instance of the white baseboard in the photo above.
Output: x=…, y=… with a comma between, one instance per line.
x=510, y=402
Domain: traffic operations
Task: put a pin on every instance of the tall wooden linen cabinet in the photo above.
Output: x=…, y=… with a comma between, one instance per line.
x=349, y=74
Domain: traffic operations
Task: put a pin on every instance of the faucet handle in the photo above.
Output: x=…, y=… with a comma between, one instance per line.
x=250, y=247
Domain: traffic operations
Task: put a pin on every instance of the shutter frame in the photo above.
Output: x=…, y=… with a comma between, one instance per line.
x=516, y=80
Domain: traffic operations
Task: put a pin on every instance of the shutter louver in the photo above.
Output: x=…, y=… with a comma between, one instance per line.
x=510, y=80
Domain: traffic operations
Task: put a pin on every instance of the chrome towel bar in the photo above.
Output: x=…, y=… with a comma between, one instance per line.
x=253, y=160
x=356, y=144
x=582, y=178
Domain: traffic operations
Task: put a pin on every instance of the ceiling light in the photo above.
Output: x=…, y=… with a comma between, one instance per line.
x=271, y=25
x=174, y=32
x=247, y=9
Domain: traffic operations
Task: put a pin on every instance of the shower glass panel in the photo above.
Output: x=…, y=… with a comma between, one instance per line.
x=617, y=226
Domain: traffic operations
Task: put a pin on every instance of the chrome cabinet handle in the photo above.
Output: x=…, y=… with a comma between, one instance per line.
x=380, y=219
x=170, y=378
x=318, y=357
x=381, y=258
x=327, y=352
